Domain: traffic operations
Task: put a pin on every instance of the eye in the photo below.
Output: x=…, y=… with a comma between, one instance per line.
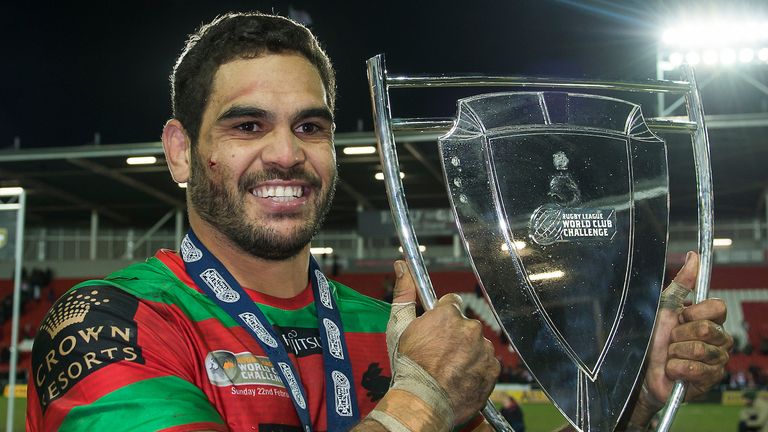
x=248, y=127
x=308, y=128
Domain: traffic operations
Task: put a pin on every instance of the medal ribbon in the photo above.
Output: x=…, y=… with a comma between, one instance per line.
x=221, y=287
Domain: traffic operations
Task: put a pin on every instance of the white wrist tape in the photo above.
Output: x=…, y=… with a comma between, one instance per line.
x=390, y=423
x=411, y=377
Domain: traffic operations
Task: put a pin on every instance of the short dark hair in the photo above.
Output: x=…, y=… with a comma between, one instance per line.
x=237, y=36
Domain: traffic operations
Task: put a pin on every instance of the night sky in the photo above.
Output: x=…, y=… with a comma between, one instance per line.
x=71, y=69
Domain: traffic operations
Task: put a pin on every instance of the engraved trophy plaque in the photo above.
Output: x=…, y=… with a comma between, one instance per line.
x=561, y=200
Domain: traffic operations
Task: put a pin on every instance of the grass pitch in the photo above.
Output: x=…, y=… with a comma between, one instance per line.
x=690, y=418
x=538, y=417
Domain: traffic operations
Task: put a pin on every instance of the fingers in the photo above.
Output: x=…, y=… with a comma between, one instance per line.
x=702, y=331
x=710, y=309
x=699, y=351
x=451, y=299
x=674, y=295
x=687, y=275
x=697, y=374
x=405, y=287
x=403, y=308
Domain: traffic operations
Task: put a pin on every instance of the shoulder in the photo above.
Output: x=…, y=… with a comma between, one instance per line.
x=88, y=328
x=359, y=312
x=350, y=296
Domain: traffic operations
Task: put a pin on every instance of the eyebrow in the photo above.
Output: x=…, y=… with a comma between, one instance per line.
x=240, y=111
x=320, y=112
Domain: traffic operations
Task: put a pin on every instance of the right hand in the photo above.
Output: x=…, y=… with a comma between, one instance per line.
x=450, y=347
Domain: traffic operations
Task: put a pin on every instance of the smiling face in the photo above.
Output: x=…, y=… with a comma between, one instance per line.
x=263, y=172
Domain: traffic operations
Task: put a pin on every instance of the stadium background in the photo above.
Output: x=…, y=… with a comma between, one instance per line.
x=85, y=86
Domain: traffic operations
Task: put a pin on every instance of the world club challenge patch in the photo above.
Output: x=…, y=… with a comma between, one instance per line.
x=86, y=330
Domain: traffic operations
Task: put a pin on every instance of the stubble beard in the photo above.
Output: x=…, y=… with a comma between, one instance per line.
x=224, y=210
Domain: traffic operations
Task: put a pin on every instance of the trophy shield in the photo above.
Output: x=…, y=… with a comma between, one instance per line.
x=549, y=190
x=561, y=200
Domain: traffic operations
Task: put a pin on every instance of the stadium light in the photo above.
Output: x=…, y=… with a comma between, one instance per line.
x=722, y=242
x=380, y=175
x=359, y=150
x=321, y=250
x=11, y=191
x=714, y=42
x=422, y=248
x=746, y=55
x=141, y=160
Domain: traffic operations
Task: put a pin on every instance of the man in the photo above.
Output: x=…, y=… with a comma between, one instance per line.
x=240, y=330
x=754, y=416
x=512, y=412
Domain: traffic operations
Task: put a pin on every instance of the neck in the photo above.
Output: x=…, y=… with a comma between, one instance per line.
x=282, y=279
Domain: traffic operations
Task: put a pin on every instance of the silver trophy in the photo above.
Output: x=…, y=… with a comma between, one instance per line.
x=561, y=199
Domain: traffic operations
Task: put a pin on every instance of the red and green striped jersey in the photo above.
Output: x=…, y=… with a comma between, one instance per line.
x=145, y=350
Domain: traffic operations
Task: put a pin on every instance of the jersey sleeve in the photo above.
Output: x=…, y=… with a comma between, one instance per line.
x=104, y=360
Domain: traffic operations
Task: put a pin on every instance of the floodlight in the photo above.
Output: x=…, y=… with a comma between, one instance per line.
x=11, y=191
x=358, y=150
x=380, y=175
x=676, y=59
x=722, y=242
x=746, y=55
x=321, y=250
x=422, y=248
x=141, y=160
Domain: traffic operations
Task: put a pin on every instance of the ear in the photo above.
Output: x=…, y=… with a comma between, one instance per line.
x=177, y=148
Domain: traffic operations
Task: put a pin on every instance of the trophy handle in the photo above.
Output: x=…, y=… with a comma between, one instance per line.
x=391, y=168
x=700, y=142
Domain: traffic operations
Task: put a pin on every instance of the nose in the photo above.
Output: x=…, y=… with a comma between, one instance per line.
x=284, y=149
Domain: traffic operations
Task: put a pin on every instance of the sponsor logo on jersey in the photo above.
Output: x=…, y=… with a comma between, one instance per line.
x=376, y=383
x=293, y=384
x=342, y=394
x=334, y=339
x=190, y=252
x=324, y=289
x=86, y=330
x=225, y=368
x=220, y=287
x=251, y=321
x=301, y=341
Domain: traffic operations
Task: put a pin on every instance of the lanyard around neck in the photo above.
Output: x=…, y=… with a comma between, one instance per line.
x=221, y=287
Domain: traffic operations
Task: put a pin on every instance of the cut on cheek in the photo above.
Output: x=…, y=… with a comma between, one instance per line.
x=211, y=163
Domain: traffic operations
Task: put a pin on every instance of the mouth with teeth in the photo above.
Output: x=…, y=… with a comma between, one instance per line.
x=279, y=193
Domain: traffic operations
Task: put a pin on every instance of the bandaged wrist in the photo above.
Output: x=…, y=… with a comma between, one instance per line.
x=411, y=377
x=402, y=411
